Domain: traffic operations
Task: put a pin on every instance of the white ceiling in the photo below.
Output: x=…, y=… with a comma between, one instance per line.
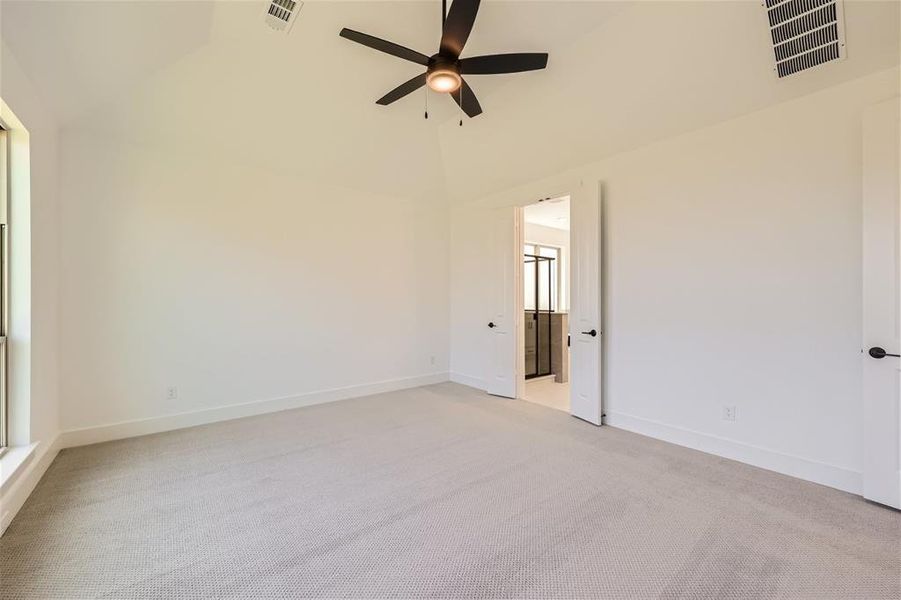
x=81, y=54
x=211, y=77
x=549, y=213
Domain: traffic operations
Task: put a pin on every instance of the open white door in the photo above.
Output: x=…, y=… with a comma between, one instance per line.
x=585, y=305
x=501, y=325
x=882, y=304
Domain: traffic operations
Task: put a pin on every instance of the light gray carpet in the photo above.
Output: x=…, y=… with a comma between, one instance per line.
x=436, y=492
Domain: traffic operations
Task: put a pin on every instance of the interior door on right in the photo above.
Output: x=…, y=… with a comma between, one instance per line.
x=585, y=305
x=882, y=304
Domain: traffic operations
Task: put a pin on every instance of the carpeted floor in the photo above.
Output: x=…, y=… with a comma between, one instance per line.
x=437, y=492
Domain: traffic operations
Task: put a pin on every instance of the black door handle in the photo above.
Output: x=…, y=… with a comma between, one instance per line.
x=877, y=352
x=592, y=333
x=491, y=325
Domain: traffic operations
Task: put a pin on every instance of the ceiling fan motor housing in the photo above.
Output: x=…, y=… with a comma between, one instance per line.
x=438, y=62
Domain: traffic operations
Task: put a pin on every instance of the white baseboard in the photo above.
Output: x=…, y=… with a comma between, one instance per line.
x=468, y=380
x=787, y=464
x=16, y=491
x=126, y=429
x=15, y=494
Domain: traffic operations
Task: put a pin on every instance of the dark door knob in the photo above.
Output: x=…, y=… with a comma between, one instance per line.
x=492, y=325
x=592, y=333
x=877, y=352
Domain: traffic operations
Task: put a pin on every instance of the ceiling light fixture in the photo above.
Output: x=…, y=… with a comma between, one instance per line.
x=444, y=80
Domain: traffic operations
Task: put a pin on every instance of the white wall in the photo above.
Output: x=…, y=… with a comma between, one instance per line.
x=237, y=285
x=33, y=335
x=732, y=277
x=540, y=234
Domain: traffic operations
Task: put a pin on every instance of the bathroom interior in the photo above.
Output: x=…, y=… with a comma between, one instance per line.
x=546, y=302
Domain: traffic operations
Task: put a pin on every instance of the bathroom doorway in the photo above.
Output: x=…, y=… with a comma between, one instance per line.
x=545, y=264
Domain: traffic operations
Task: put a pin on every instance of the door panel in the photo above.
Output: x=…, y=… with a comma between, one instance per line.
x=881, y=304
x=585, y=305
x=506, y=277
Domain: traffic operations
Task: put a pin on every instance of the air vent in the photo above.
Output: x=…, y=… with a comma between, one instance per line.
x=281, y=14
x=805, y=33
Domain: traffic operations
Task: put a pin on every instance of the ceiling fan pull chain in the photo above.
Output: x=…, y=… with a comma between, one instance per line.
x=426, y=103
x=461, y=106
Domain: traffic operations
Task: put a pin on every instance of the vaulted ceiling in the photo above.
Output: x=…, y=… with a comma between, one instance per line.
x=212, y=77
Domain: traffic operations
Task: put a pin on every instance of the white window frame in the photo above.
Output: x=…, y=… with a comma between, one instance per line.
x=4, y=286
x=559, y=300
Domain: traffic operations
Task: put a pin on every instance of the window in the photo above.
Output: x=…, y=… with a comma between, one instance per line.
x=549, y=278
x=4, y=279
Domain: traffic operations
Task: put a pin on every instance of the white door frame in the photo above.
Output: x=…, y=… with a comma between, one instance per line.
x=570, y=190
x=519, y=303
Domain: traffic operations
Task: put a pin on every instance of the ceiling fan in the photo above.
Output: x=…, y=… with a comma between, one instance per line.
x=445, y=69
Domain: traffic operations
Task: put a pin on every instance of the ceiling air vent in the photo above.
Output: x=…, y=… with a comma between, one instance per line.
x=805, y=33
x=282, y=13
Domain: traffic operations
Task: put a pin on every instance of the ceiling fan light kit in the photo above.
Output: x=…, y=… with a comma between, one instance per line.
x=444, y=80
x=445, y=69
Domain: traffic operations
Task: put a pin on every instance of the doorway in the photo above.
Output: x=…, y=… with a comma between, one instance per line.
x=545, y=294
x=579, y=295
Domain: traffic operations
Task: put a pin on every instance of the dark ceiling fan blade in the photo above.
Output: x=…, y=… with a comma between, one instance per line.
x=402, y=90
x=385, y=46
x=503, y=63
x=458, y=26
x=470, y=104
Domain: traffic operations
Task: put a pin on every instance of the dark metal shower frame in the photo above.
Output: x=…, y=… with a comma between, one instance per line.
x=535, y=258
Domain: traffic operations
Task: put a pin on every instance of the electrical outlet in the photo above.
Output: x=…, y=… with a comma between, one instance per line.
x=728, y=413
x=171, y=393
